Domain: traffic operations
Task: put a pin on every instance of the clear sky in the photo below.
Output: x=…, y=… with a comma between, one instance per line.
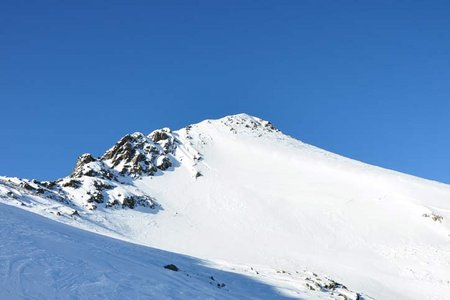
x=366, y=79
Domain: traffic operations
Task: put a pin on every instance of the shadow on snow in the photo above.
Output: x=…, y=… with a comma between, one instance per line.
x=43, y=259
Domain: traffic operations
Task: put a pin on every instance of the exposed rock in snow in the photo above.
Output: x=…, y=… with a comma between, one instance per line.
x=87, y=165
x=108, y=180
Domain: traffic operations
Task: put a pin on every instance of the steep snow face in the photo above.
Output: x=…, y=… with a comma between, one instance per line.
x=239, y=190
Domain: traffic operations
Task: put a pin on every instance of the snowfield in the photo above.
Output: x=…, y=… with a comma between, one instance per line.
x=43, y=259
x=262, y=213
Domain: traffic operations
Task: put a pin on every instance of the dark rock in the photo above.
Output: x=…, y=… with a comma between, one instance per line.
x=163, y=163
x=26, y=186
x=48, y=184
x=104, y=173
x=129, y=202
x=117, y=148
x=86, y=158
x=171, y=267
x=83, y=160
x=437, y=218
x=112, y=203
x=72, y=183
x=158, y=135
x=133, y=201
x=96, y=196
x=134, y=154
x=29, y=187
x=100, y=185
x=434, y=217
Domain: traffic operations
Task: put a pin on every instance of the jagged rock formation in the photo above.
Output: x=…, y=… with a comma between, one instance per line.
x=105, y=180
x=139, y=155
x=133, y=155
x=87, y=165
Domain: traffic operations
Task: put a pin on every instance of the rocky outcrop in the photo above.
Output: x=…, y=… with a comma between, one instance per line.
x=107, y=181
x=101, y=180
x=139, y=155
x=242, y=122
x=87, y=165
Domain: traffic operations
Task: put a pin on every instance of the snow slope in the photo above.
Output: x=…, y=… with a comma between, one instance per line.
x=238, y=191
x=44, y=259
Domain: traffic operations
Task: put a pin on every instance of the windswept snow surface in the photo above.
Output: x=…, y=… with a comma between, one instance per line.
x=239, y=191
x=44, y=259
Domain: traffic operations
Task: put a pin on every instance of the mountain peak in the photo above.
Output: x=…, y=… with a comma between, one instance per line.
x=243, y=122
x=97, y=180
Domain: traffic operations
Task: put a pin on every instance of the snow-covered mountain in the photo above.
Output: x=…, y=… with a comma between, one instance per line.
x=243, y=210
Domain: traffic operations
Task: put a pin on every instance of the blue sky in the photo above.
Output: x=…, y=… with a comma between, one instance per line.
x=366, y=79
